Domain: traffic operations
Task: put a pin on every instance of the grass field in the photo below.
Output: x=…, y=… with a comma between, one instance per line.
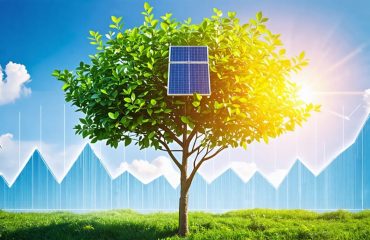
x=244, y=224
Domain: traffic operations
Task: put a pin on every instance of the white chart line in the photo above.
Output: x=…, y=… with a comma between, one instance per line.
x=355, y=110
x=344, y=117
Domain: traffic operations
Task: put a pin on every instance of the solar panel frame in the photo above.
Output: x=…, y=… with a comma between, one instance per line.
x=189, y=62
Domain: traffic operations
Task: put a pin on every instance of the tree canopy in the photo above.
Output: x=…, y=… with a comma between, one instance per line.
x=122, y=92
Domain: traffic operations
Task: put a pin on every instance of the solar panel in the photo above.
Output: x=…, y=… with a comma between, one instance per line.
x=179, y=75
x=179, y=54
x=199, y=78
x=188, y=71
x=198, y=54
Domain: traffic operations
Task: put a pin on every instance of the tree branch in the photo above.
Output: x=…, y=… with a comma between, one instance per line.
x=174, y=159
x=173, y=136
x=192, y=134
x=213, y=155
x=198, y=154
x=195, y=141
x=205, y=158
x=194, y=150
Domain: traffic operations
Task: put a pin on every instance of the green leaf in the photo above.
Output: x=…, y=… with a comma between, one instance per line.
x=115, y=19
x=231, y=14
x=188, y=21
x=282, y=51
x=259, y=16
x=204, y=24
x=217, y=12
x=55, y=73
x=128, y=141
x=153, y=102
x=197, y=96
x=151, y=135
x=113, y=116
x=196, y=103
x=185, y=119
x=263, y=20
x=83, y=121
x=65, y=86
x=146, y=6
x=218, y=105
x=154, y=22
x=95, y=96
x=164, y=26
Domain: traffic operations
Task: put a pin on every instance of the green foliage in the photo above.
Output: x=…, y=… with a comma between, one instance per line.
x=122, y=92
x=244, y=224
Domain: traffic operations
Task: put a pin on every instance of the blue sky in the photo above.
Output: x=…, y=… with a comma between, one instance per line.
x=47, y=35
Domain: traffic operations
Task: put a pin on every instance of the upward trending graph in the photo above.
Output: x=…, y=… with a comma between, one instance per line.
x=344, y=184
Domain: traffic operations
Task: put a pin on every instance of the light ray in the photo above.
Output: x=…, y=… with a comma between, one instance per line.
x=351, y=93
x=345, y=59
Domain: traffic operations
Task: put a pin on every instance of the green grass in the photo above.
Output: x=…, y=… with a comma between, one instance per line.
x=243, y=224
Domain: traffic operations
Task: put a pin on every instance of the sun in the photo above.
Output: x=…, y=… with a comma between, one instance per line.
x=306, y=93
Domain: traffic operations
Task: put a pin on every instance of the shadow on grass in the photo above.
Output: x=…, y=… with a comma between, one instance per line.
x=89, y=230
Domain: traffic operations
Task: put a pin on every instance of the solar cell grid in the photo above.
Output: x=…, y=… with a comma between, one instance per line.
x=179, y=54
x=188, y=70
x=198, y=54
x=179, y=76
x=199, y=78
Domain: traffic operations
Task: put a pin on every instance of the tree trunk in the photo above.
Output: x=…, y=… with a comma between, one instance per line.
x=183, y=208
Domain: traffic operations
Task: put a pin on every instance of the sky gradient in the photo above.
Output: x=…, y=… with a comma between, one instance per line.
x=47, y=35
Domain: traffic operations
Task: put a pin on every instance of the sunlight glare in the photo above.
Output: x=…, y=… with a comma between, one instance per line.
x=306, y=92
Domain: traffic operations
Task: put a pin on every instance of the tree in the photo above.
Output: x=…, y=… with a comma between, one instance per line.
x=122, y=92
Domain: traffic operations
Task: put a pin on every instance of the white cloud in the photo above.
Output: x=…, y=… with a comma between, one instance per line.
x=144, y=168
x=146, y=171
x=12, y=83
